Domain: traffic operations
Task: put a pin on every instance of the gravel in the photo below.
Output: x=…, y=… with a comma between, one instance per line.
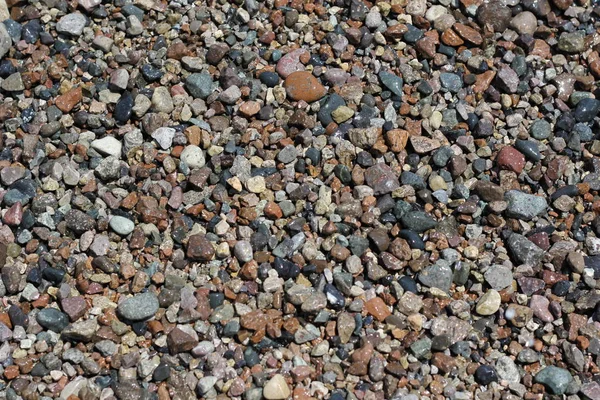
x=308, y=200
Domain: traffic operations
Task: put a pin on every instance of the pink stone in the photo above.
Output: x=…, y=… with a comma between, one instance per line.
x=14, y=215
x=290, y=63
x=541, y=240
x=539, y=305
x=176, y=197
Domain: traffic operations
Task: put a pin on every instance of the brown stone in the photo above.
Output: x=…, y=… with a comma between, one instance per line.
x=396, y=139
x=469, y=34
x=199, y=248
x=302, y=85
x=179, y=341
x=249, y=108
x=66, y=102
x=377, y=308
x=74, y=307
x=483, y=81
x=450, y=38
x=272, y=210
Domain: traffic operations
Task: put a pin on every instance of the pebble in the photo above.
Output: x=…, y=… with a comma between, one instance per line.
x=302, y=85
x=121, y=225
x=276, y=388
x=108, y=145
x=139, y=307
x=555, y=379
x=72, y=24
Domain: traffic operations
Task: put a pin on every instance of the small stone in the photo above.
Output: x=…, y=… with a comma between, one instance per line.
x=193, y=157
x=139, y=307
x=525, y=23
x=72, y=24
x=276, y=388
x=199, y=248
x=524, y=206
x=489, y=303
x=121, y=225
x=108, y=145
x=13, y=83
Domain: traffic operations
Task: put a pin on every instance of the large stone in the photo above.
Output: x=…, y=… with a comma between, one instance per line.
x=139, y=307
x=302, y=85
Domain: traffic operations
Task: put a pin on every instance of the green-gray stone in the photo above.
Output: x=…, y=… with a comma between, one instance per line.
x=555, y=379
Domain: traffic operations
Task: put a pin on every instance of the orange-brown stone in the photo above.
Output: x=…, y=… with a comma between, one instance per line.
x=377, y=308
x=302, y=85
x=67, y=101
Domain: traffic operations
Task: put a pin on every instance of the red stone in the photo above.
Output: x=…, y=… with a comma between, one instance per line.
x=511, y=159
x=14, y=215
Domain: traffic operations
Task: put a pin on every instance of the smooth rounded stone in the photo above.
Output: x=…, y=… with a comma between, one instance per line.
x=243, y=251
x=139, y=307
x=108, y=146
x=121, y=225
x=489, y=303
x=276, y=388
x=555, y=379
x=193, y=156
x=486, y=374
x=271, y=79
x=587, y=109
x=123, y=108
x=540, y=129
x=524, y=23
x=72, y=24
x=539, y=305
x=302, y=85
x=524, y=206
x=529, y=149
x=52, y=319
x=164, y=137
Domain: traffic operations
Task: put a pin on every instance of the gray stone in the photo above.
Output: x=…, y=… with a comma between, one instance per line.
x=108, y=146
x=121, y=225
x=139, y=307
x=164, y=137
x=13, y=83
x=524, y=206
x=193, y=157
x=72, y=24
x=438, y=276
x=524, y=251
x=287, y=154
x=555, y=379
